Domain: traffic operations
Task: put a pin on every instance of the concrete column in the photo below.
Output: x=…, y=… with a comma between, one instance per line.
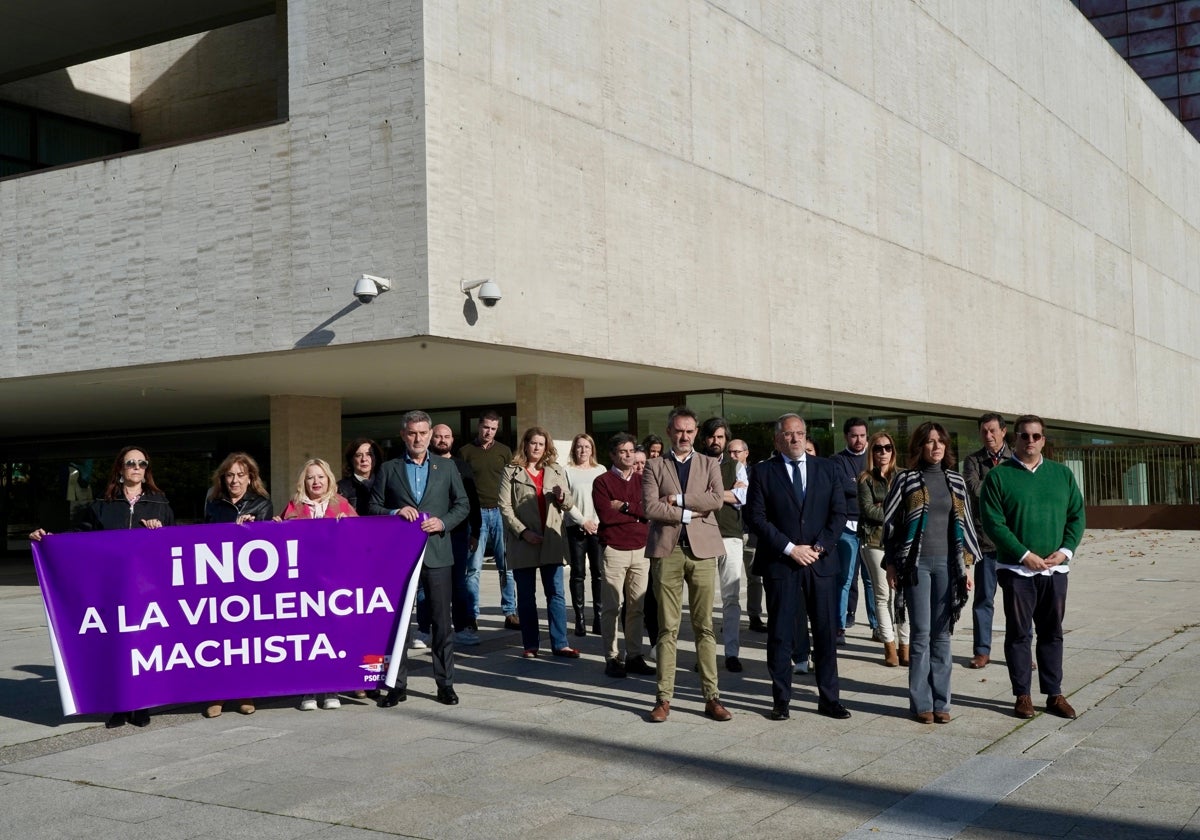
x=302, y=428
x=554, y=402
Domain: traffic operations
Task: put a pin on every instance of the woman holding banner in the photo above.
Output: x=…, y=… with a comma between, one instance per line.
x=237, y=496
x=131, y=500
x=317, y=498
x=534, y=495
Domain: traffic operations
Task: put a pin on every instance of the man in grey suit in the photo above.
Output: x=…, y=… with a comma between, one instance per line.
x=430, y=491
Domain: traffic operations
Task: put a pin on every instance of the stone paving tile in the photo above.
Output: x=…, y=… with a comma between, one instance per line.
x=632, y=809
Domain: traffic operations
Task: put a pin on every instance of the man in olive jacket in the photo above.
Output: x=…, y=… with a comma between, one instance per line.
x=430, y=490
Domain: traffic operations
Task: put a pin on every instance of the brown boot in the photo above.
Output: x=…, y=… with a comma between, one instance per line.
x=903, y=655
x=890, y=657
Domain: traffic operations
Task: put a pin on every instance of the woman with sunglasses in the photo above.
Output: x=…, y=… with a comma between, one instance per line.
x=131, y=500
x=929, y=540
x=873, y=485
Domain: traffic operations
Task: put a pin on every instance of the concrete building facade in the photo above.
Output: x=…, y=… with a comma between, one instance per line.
x=943, y=207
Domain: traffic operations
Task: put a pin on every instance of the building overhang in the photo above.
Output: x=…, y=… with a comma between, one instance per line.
x=52, y=34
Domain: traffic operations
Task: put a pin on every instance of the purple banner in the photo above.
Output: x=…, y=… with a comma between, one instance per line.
x=204, y=613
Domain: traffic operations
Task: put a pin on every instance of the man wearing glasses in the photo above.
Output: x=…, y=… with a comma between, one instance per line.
x=1032, y=511
x=975, y=468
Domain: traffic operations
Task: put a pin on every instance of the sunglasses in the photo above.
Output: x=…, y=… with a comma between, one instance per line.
x=882, y=447
x=1033, y=436
x=141, y=465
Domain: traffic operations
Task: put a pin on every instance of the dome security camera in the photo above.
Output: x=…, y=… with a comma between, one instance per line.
x=369, y=287
x=489, y=290
x=489, y=293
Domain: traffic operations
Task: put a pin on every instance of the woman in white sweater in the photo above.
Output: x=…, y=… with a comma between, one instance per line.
x=583, y=525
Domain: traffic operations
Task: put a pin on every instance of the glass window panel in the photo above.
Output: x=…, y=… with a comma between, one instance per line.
x=15, y=128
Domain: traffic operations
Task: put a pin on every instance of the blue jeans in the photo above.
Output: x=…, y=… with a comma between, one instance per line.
x=929, y=667
x=556, y=605
x=847, y=549
x=982, y=608
x=491, y=536
x=466, y=585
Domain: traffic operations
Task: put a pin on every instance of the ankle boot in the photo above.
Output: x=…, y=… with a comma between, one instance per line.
x=890, y=657
x=579, y=628
x=903, y=655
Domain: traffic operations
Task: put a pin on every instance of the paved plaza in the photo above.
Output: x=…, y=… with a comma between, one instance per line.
x=551, y=748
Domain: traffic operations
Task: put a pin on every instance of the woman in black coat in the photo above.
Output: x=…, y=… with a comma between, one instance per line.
x=131, y=500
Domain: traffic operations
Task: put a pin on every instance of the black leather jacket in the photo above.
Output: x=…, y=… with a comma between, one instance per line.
x=221, y=509
x=118, y=515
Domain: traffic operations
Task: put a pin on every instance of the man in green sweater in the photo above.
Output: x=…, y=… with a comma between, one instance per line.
x=1032, y=510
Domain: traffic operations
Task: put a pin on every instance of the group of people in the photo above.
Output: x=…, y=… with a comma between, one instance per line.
x=684, y=513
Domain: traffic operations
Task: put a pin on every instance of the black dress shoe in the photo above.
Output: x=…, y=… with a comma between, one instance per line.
x=638, y=665
x=757, y=625
x=780, y=713
x=119, y=719
x=834, y=710
x=140, y=718
x=615, y=669
x=393, y=696
x=447, y=696
x=733, y=664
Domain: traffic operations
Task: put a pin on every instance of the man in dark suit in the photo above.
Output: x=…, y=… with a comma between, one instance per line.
x=681, y=493
x=429, y=490
x=797, y=508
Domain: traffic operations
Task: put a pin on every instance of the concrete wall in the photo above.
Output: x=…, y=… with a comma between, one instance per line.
x=239, y=244
x=965, y=204
x=206, y=83
x=97, y=92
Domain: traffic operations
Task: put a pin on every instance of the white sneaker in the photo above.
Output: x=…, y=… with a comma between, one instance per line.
x=419, y=641
x=331, y=702
x=802, y=667
x=466, y=637
x=309, y=703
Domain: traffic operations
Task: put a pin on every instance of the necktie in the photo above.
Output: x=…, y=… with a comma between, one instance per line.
x=798, y=481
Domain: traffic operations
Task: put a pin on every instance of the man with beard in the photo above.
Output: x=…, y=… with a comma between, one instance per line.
x=715, y=435
x=462, y=542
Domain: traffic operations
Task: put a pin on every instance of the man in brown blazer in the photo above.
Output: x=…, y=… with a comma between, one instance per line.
x=681, y=492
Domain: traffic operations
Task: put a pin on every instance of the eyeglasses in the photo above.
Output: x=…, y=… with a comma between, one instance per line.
x=1033, y=436
x=736, y=451
x=882, y=447
x=141, y=465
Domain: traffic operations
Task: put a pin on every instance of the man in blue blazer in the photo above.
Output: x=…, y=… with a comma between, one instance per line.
x=430, y=490
x=797, y=508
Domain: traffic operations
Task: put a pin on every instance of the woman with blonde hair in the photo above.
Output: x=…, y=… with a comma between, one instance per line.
x=317, y=498
x=534, y=495
x=583, y=530
x=873, y=485
x=316, y=494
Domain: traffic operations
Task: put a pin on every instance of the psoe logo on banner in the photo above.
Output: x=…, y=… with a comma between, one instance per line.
x=375, y=664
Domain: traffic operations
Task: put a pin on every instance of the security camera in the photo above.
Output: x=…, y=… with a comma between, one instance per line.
x=489, y=290
x=369, y=287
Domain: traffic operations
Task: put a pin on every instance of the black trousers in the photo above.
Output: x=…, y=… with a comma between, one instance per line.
x=584, y=548
x=439, y=589
x=1032, y=604
x=791, y=591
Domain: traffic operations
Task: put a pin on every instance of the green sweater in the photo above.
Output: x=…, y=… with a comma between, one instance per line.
x=1031, y=511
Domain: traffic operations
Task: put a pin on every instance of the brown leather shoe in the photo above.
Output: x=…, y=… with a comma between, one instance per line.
x=923, y=717
x=941, y=717
x=661, y=709
x=714, y=709
x=979, y=660
x=1024, y=707
x=214, y=710
x=1058, y=705
x=902, y=655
